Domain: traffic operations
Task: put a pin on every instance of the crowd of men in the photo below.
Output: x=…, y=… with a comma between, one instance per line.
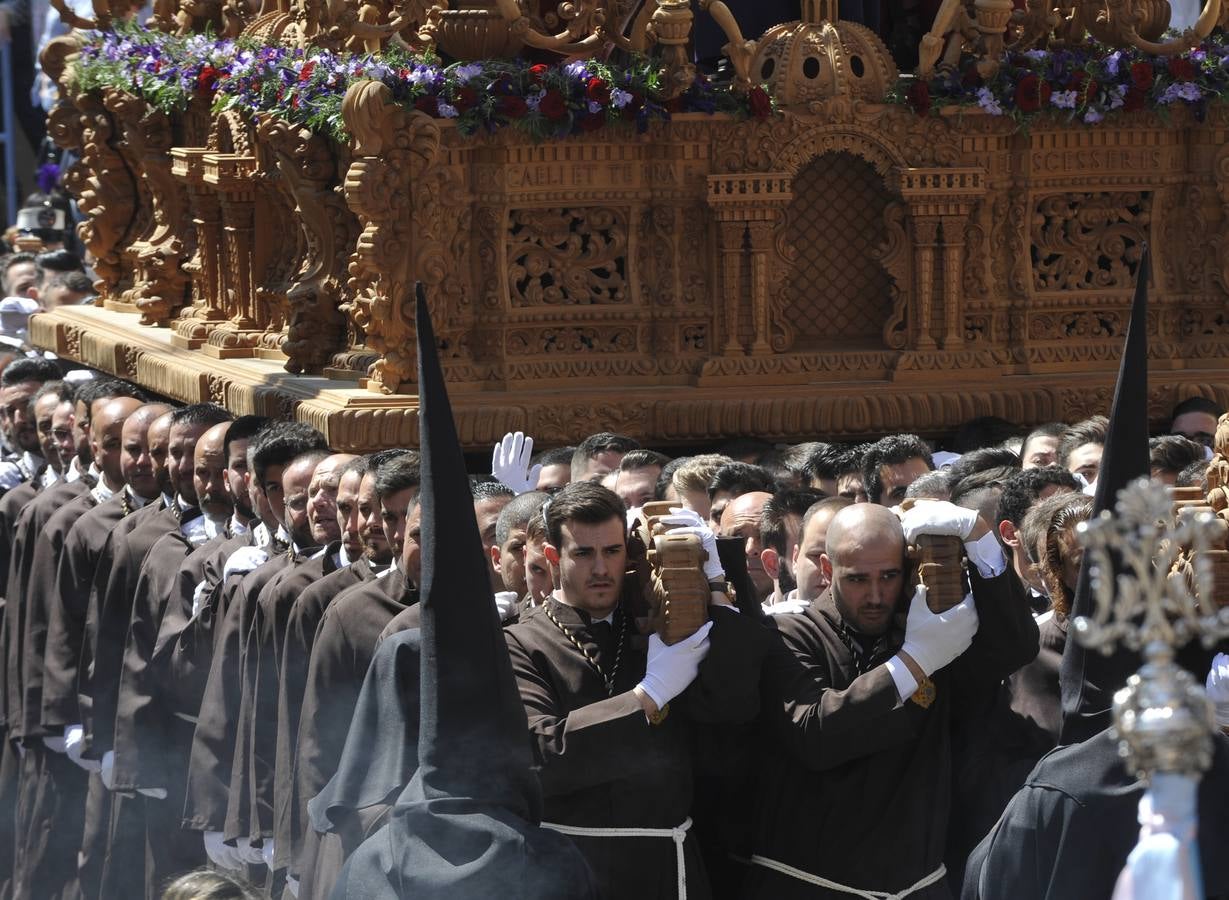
x=206, y=663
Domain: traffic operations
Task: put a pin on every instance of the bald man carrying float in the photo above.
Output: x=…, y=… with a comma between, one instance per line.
x=860, y=691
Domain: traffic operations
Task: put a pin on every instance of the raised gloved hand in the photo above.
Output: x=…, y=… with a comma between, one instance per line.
x=687, y=521
x=220, y=853
x=785, y=608
x=510, y=462
x=266, y=852
x=933, y=640
x=506, y=605
x=672, y=667
x=107, y=770
x=74, y=745
x=1218, y=688
x=937, y=517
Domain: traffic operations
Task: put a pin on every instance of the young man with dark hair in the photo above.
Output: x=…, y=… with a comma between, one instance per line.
x=1196, y=418
x=1020, y=493
x=556, y=469
x=639, y=470
x=890, y=464
x=1040, y=447
x=490, y=498
x=780, y=527
x=812, y=544
x=734, y=479
x=600, y=454
x=507, y=554
x=19, y=382
x=598, y=707
x=1169, y=454
x=824, y=466
x=1081, y=448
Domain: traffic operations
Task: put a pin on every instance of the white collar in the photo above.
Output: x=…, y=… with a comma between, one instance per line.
x=238, y=526
x=134, y=499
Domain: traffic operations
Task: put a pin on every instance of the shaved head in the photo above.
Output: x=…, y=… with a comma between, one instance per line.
x=861, y=525
x=106, y=437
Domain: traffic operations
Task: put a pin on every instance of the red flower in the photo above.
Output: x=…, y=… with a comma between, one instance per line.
x=511, y=106
x=538, y=72
x=295, y=102
x=598, y=91
x=1134, y=100
x=1182, y=69
x=466, y=99
x=553, y=106
x=1085, y=87
x=306, y=72
x=759, y=102
x=1032, y=93
x=918, y=97
x=592, y=121
x=207, y=79
x=1141, y=75
x=428, y=104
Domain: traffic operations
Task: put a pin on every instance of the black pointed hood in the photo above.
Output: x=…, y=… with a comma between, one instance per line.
x=1089, y=678
x=466, y=826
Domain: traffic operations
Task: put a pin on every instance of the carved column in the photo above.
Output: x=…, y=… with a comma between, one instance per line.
x=761, y=244
x=195, y=322
x=731, y=235
x=747, y=205
x=231, y=174
x=925, y=239
x=953, y=276
x=939, y=197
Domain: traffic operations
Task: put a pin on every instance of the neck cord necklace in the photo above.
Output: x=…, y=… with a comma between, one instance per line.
x=614, y=672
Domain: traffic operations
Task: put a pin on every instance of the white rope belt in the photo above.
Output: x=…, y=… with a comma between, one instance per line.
x=678, y=834
x=925, y=882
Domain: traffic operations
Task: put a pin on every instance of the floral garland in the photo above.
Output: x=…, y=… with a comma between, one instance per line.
x=1087, y=84
x=306, y=87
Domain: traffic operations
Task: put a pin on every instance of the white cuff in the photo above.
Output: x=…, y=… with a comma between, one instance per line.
x=906, y=684
x=987, y=554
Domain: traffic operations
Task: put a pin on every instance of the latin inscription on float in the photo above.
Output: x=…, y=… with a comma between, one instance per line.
x=1100, y=159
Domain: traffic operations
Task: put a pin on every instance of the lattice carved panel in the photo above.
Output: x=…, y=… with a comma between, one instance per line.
x=575, y=256
x=839, y=292
x=1089, y=241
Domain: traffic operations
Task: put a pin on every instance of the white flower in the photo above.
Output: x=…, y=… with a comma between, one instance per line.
x=619, y=99
x=594, y=106
x=1092, y=116
x=446, y=111
x=1117, y=92
x=987, y=101
x=467, y=71
x=1063, y=99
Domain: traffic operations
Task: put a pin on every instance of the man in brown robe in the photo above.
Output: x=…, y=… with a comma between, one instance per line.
x=855, y=784
x=144, y=726
x=52, y=817
x=345, y=643
x=611, y=720
x=124, y=870
x=312, y=517
x=69, y=600
x=232, y=606
x=361, y=528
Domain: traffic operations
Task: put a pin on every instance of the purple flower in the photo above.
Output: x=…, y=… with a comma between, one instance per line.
x=987, y=101
x=1183, y=90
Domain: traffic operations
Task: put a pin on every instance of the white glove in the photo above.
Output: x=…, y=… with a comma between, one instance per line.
x=198, y=599
x=672, y=667
x=245, y=559
x=107, y=770
x=1218, y=688
x=266, y=852
x=506, y=604
x=933, y=640
x=292, y=885
x=785, y=608
x=55, y=744
x=510, y=462
x=688, y=521
x=74, y=744
x=938, y=517
x=248, y=853
x=220, y=853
